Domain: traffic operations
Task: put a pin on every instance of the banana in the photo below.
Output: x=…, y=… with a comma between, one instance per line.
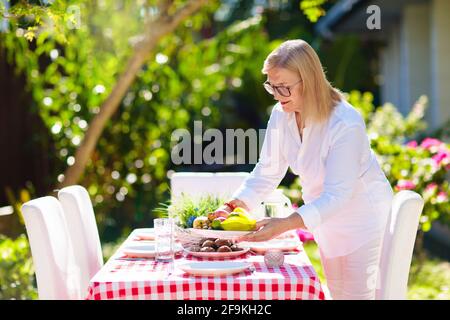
x=238, y=223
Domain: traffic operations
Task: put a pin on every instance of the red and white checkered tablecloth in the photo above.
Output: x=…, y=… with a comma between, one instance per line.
x=126, y=278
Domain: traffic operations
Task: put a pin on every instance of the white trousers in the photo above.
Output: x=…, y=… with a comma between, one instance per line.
x=354, y=276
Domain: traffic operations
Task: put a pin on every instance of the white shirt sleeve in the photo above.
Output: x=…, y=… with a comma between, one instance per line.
x=270, y=169
x=342, y=169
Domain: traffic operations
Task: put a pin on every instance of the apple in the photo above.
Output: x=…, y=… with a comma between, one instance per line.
x=217, y=214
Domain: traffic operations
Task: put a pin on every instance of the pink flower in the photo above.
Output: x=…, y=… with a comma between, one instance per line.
x=430, y=142
x=412, y=144
x=431, y=187
x=305, y=235
x=440, y=156
x=442, y=197
x=405, y=185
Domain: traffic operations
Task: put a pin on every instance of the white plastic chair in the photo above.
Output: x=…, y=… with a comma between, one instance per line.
x=398, y=245
x=57, y=275
x=221, y=184
x=83, y=231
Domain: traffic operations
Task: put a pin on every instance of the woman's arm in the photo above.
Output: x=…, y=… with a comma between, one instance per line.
x=233, y=203
x=270, y=169
x=269, y=228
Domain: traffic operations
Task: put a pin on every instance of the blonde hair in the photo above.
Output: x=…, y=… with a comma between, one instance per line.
x=319, y=96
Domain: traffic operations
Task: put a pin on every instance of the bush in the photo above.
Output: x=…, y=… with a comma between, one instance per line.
x=408, y=164
x=423, y=168
x=17, y=280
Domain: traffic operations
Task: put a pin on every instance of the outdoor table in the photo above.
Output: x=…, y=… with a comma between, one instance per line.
x=144, y=278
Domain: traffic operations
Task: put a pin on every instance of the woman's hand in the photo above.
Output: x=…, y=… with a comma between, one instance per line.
x=234, y=202
x=223, y=208
x=269, y=228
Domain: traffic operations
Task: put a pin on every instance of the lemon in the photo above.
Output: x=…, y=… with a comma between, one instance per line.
x=240, y=210
x=238, y=223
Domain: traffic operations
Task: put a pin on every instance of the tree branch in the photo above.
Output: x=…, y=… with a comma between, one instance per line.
x=161, y=27
x=185, y=12
x=164, y=6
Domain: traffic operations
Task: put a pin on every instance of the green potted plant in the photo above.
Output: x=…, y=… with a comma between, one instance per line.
x=186, y=208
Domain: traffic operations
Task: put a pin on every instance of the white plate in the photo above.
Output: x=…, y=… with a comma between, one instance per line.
x=144, y=250
x=279, y=244
x=215, y=268
x=147, y=250
x=222, y=234
x=218, y=255
x=145, y=234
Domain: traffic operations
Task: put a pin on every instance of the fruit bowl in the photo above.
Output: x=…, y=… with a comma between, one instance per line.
x=220, y=220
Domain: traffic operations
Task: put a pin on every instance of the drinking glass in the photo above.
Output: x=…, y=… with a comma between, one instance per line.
x=273, y=209
x=164, y=238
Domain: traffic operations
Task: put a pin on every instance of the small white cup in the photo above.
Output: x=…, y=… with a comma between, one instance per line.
x=164, y=239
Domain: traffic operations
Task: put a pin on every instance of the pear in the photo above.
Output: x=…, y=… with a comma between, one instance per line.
x=217, y=223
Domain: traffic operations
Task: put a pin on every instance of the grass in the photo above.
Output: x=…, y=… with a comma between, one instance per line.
x=429, y=281
x=313, y=253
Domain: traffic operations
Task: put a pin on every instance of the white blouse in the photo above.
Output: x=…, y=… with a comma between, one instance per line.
x=347, y=196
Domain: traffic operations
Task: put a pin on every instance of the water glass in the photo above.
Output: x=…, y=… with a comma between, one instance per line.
x=164, y=238
x=273, y=209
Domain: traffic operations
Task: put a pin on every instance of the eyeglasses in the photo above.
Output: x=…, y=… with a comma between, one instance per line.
x=284, y=91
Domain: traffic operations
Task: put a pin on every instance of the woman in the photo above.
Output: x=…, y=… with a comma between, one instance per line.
x=322, y=138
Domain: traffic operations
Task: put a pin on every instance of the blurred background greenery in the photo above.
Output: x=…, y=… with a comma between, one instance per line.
x=60, y=61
